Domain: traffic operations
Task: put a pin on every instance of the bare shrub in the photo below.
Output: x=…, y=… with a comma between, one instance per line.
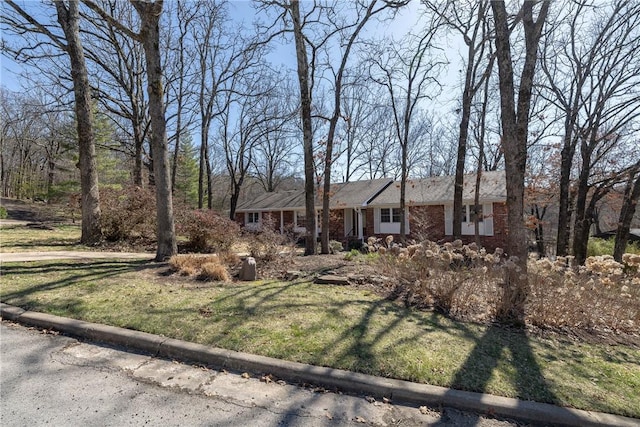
x=206, y=230
x=229, y=258
x=266, y=243
x=422, y=226
x=456, y=279
x=190, y=261
x=599, y=296
x=128, y=214
x=466, y=283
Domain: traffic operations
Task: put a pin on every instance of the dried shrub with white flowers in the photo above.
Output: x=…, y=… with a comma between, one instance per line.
x=465, y=282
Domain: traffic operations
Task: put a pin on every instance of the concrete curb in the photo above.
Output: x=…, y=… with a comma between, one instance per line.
x=398, y=390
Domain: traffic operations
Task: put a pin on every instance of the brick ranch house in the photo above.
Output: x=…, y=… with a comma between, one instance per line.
x=372, y=208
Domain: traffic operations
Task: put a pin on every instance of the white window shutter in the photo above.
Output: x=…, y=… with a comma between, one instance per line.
x=448, y=220
x=376, y=221
x=487, y=211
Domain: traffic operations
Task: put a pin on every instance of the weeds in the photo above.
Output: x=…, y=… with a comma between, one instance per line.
x=214, y=271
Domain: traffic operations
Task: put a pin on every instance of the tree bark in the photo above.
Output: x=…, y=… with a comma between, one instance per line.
x=333, y=122
x=150, y=36
x=69, y=17
x=629, y=205
x=564, y=214
x=515, y=124
x=307, y=131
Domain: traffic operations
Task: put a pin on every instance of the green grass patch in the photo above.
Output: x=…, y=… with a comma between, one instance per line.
x=597, y=247
x=341, y=327
x=21, y=238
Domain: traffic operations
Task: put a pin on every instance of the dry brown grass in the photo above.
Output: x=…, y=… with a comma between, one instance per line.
x=214, y=271
x=204, y=267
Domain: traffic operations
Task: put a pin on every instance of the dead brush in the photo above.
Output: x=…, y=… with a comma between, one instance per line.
x=214, y=271
x=453, y=278
x=207, y=267
x=267, y=243
x=466, y=283
x=597, y=297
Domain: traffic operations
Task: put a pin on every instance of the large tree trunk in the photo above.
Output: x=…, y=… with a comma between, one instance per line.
x=582, y=222
x=69, y=20
x=467, y=97
x=629, y=204
x=515, y=125
x=564, y=214
x=137, y=166
x=539, y=230
x=307, y=131
x=202, y=167
x=150, y=36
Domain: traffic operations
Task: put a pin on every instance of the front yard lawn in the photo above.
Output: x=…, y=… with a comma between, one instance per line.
x=343, y=327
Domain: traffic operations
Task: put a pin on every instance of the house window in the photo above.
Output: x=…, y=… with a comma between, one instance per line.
x=484, y=215
x=253, y=217
x=301, y=220
x=390, y=215
x=478, y=213
x=469, y=213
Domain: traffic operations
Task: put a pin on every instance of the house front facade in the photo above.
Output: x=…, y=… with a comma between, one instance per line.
x=429, y=213
x=363, y=209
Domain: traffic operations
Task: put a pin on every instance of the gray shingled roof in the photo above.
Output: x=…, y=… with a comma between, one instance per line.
x=343, y=195
x=273, y=201
x=355, y=194
x=439, y=190
x=382, y=192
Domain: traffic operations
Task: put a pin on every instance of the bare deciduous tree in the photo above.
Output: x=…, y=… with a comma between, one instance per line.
x=407, y=72
x=593, y=74
x=469, y=19
x=68, y=17
x=515, y=124
x=307, y=130
x=119, y=70
x=149, y=36
x=348, y=33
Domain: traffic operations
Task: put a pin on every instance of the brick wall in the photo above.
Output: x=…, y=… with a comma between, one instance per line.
x=287, y=218
x=240, y=218
x=500, y=229
x=428, y=222
x=369, y=230
x=336, y=225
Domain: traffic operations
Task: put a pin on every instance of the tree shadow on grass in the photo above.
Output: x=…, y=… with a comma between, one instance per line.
x=89, y=271
x=503, y=354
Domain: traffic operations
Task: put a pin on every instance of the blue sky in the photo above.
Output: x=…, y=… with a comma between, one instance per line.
x=243, y=12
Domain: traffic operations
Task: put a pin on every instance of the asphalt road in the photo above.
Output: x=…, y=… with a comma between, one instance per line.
x=49, y=379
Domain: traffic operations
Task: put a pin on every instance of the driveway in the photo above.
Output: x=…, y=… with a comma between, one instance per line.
x=53, y=255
